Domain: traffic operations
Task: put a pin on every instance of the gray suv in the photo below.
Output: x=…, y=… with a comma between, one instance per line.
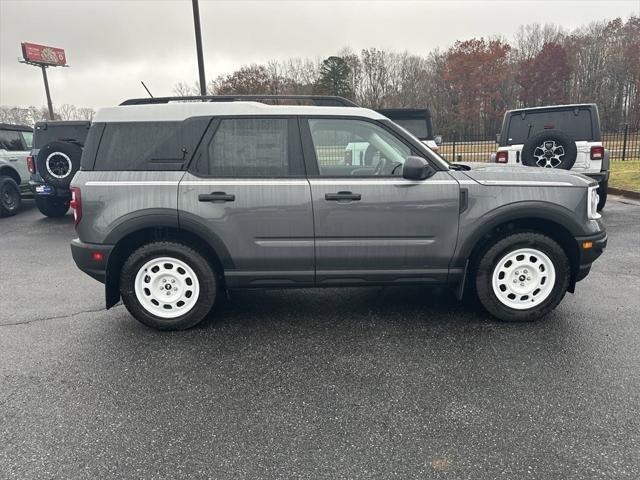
x=177, y=201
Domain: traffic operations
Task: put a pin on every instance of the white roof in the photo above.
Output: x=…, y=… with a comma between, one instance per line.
x=165, y=112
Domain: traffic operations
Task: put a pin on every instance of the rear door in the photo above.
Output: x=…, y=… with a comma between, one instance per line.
x=13, y=150
x=246, y=190
x=371, y=224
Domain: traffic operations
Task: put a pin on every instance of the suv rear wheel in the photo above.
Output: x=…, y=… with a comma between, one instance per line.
x=522, y=277
x=51, y=206
x=168, y=286
x=10, y=199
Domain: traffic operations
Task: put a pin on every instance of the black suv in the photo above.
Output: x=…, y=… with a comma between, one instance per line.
x=55, y=158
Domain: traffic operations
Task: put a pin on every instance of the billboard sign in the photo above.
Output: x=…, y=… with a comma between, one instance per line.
x=40, y=54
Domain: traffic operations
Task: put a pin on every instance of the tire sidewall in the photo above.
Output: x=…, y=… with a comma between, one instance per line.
x=570, y=148
x=201, y=268
x=488, y=262
x=70, y=150
x=9, y=185
x=51, y=206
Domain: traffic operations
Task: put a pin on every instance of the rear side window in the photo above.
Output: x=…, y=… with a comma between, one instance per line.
x=127, y=146
x=249, y=147
x=28, y=139
x=11, y=140
x=132, y=145
x=523, y=127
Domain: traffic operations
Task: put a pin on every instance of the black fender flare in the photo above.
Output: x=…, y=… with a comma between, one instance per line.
x=157, y=219
x=538, y=210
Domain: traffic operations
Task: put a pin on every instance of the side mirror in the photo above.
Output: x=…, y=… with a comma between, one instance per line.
x=497, y=138
x=416, y=168
x=438, y=140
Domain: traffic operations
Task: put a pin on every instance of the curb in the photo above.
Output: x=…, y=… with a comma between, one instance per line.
x=624, y=193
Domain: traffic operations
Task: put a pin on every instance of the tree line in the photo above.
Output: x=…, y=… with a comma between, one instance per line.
x=31, y=115
x=469, y=86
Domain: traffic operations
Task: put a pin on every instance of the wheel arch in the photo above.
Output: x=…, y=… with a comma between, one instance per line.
x=131, y=239
x=550, y=221
x=7, y=171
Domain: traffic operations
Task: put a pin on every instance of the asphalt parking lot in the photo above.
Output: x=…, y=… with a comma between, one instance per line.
x=335, y=383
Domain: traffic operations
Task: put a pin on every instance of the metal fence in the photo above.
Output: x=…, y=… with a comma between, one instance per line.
x=622, y=143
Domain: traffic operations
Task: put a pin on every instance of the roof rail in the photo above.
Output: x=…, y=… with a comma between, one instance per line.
x=317, y=100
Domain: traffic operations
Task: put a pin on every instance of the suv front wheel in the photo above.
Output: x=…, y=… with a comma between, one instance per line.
x=522, y=277
x=168, y=286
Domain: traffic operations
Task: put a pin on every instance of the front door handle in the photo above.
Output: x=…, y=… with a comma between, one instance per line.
x=342, y=196
x=216, y=197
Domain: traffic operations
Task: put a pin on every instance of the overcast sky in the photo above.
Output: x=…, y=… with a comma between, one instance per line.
x=112, y=45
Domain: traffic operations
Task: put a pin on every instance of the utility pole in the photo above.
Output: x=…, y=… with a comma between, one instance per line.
x=46, y=90
x=196, y=24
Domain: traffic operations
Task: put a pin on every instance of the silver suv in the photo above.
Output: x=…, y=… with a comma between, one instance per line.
x=177, y=201
x=15, y=142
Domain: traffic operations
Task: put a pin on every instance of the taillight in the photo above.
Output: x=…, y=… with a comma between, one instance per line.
x=502, y=157
x=76, y=204
x=31, y=165
x=597, y=153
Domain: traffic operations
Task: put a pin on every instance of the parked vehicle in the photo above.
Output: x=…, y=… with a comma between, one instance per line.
x=417, y=121
x=15, y=143
x=177, y=201
x=565, y=137
x=54, y=160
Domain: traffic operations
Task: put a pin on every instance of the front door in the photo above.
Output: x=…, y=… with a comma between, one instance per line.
x=246, y=190
x=371, y=224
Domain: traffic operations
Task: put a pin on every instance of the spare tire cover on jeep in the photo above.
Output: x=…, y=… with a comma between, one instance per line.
x=58, y=162
x=550, y=149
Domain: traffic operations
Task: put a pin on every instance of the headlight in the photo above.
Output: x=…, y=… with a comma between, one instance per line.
x=592, y=203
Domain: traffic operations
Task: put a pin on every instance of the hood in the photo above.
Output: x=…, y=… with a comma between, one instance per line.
x=494, y=174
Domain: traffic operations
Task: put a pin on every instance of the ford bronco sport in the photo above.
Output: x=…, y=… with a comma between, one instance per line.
x=177, y=201
x=15, y=143
x=565, y=137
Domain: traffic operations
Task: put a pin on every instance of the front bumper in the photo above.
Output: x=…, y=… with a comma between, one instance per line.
x=91, y=258
x=588, y=255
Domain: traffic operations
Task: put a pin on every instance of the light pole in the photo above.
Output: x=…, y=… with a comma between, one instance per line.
x=196, y=24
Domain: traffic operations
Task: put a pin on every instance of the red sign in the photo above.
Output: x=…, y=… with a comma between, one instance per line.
x=44, y=55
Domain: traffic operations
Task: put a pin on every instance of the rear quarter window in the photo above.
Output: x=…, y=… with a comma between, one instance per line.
x=131, y=146
x=522, y=127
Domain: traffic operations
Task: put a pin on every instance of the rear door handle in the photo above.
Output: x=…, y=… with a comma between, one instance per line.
x=13, y=159
x=342, y=196
x=216, y=197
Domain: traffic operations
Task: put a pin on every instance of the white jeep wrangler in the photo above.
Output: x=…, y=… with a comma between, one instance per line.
x=562, y=136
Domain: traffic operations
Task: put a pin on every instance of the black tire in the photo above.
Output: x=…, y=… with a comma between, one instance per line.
x=489, y=260
x=204, y=272
x=58, y=162
x=51, y=206
x=539, y=145
x=10, y=199
x=602, y=194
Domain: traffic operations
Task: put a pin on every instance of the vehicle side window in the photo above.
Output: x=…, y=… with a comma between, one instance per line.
x=249, y=147
x=28, y=139
x=346, y=147
x=11, y=140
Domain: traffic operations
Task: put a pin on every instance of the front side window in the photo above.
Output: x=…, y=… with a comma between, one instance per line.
x=249, y=147
x=346, y=147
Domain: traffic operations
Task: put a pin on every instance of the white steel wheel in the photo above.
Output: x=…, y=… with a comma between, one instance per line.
x=523, y=279
x=58, y=165
x=167, y=287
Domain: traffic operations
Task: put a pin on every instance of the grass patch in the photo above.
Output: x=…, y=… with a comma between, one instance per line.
x=625, y=175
